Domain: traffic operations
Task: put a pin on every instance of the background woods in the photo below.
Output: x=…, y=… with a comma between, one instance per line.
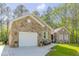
x=63, y=15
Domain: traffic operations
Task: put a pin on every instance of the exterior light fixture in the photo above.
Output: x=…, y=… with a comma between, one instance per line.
x=29, y=21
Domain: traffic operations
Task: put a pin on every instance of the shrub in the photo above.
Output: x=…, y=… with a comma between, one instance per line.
x=4, y=35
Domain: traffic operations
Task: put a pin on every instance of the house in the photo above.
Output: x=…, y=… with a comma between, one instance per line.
x=28, y=30
x=60, y=35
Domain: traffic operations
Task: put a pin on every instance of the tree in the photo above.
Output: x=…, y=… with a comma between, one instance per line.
x=8, y=16
x=2, y=11
x=36, y=13
x=49, y=9
x=47, y=18
x=5, y=16
x=66, y=15
x=20, y=11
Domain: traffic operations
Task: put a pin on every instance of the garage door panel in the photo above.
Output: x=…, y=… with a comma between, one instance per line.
x=27, y=39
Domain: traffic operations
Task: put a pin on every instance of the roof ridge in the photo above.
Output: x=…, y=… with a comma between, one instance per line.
x=42, y=21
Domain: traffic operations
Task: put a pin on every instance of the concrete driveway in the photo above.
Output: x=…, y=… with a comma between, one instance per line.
x=26, y=51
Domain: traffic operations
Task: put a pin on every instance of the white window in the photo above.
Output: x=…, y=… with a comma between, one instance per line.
x=45, y=35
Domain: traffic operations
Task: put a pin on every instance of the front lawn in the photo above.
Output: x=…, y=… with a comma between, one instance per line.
x=64, y=50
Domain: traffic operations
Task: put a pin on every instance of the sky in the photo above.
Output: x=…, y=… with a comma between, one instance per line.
x=34, y=6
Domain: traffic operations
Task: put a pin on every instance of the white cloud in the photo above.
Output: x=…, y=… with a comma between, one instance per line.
x=41, y=7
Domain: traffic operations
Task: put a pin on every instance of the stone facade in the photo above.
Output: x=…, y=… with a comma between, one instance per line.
x=22, y=25
x=61, y=36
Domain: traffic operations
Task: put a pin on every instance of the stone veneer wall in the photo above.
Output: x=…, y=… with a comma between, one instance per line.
x=23, y=26
x=61, y=32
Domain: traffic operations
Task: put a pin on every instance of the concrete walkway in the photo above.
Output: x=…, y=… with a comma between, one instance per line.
x=26, y=51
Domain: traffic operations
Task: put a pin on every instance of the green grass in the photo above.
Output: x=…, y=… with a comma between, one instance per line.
x=64, y=50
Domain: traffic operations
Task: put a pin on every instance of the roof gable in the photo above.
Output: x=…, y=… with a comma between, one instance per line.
x=37, y=19
x=59, y=29
x=42, y=21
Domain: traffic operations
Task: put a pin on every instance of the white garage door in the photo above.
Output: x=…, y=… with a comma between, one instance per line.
x=27, y=39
